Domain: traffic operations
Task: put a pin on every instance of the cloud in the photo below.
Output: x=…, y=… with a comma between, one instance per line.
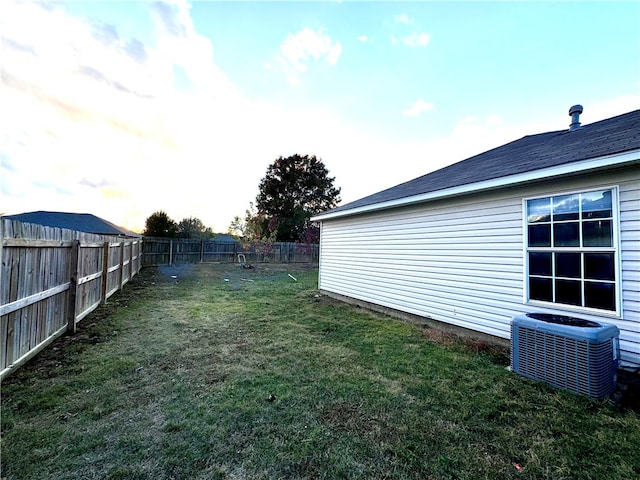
x=334, y=54
x=413, y=40
x=9, y=43
x=136, y=50
x=602, y=109
x=87, y=104
x=169, y=14
x=113, y=130
x=419, y=107
x=304, y=46
x=106, y=34
x=363, y=38
x=99, y=123
x=403, y=18
x=493, y=120
x=103, y=78
x=103, y=182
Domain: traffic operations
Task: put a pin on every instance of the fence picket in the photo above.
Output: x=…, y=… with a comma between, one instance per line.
x=73, y=287
x=105, y=271
x=168, y=251
x=50, y=279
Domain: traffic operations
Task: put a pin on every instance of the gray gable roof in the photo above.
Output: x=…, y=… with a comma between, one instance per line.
x=80, y=222
x=533, y=152
x=224, y=238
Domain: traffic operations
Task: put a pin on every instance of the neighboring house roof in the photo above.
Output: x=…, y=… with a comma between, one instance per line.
x=516, y=159
x=80, y=222
x=224, y=238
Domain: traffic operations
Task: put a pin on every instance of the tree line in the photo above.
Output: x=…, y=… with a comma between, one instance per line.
x=293, y=190
x=159, y=224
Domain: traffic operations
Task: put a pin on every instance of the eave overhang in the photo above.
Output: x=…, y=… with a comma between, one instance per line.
x=615, y=160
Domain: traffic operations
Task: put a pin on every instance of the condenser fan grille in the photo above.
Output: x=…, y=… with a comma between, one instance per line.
x=578, y=359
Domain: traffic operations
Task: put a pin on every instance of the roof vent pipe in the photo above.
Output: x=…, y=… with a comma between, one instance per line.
x=575, y=112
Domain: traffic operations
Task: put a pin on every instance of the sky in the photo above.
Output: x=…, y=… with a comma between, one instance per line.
x=124, y=108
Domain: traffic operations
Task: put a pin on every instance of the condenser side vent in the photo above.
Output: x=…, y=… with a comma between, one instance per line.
x=566, y=352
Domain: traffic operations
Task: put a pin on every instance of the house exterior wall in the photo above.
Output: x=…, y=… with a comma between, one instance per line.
x=461, y=261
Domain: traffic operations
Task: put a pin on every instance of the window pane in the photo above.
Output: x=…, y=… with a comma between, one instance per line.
x=566, y=207
x=571, y=253
x=540, y=235
x=597, y=233
x=540, y=289
x=566, y=235
x=568, y=265
x=597, y=204
x=539, y=210
x=540, y=263
x=600, y=295
x=599, y=266
x=568, y=292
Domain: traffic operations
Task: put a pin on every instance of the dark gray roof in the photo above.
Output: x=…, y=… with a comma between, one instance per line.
x=533, y=152
x=224, y=238
x=80, y=222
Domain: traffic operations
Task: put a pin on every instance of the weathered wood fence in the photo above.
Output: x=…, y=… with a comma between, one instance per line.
x=169, y=251
x=52, y=278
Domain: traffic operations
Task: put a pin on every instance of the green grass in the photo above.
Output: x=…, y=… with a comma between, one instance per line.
x=260, y=377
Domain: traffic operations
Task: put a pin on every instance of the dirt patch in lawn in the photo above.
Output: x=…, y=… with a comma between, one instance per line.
x=497, y=353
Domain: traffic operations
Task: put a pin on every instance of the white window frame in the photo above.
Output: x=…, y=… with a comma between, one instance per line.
x=615, y=249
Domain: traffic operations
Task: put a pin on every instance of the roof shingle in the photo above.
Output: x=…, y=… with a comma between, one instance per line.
x=80, y=222
x=532, y=152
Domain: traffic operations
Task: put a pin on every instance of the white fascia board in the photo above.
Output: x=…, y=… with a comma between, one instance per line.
x=500, y=182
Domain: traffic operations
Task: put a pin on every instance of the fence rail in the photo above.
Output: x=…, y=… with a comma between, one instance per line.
x=169, y=251
x=51, y=279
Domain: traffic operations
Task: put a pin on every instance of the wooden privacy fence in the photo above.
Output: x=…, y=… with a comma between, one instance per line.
x=51, y=279
x=169, y=251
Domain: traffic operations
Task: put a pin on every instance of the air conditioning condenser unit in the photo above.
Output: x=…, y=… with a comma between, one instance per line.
x=566, y=352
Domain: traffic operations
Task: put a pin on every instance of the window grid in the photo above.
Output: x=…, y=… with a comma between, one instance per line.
x=580, y=249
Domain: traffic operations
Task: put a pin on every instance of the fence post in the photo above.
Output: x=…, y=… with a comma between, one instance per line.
x=105, y=271
x=121, y=277
x=73, y=287
x=131, y=260
x=170, y=252
x=201, y=251
x=1, y=242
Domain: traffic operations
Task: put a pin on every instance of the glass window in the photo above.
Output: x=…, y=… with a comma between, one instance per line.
x=566, y=234
x=541, y=289
x=568, y=265
x=571, y=253
x=568, y=292
x=599, y=266
x=566, y=207
x=539, y=210
x=597, y=233
x=540, y=263
x=540, y=235
x=597, y=204
x=600, y=295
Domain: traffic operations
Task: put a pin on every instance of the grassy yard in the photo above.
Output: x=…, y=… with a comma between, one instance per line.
x=248, y=374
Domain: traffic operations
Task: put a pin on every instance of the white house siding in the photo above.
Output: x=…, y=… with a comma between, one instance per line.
x=460, y=261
